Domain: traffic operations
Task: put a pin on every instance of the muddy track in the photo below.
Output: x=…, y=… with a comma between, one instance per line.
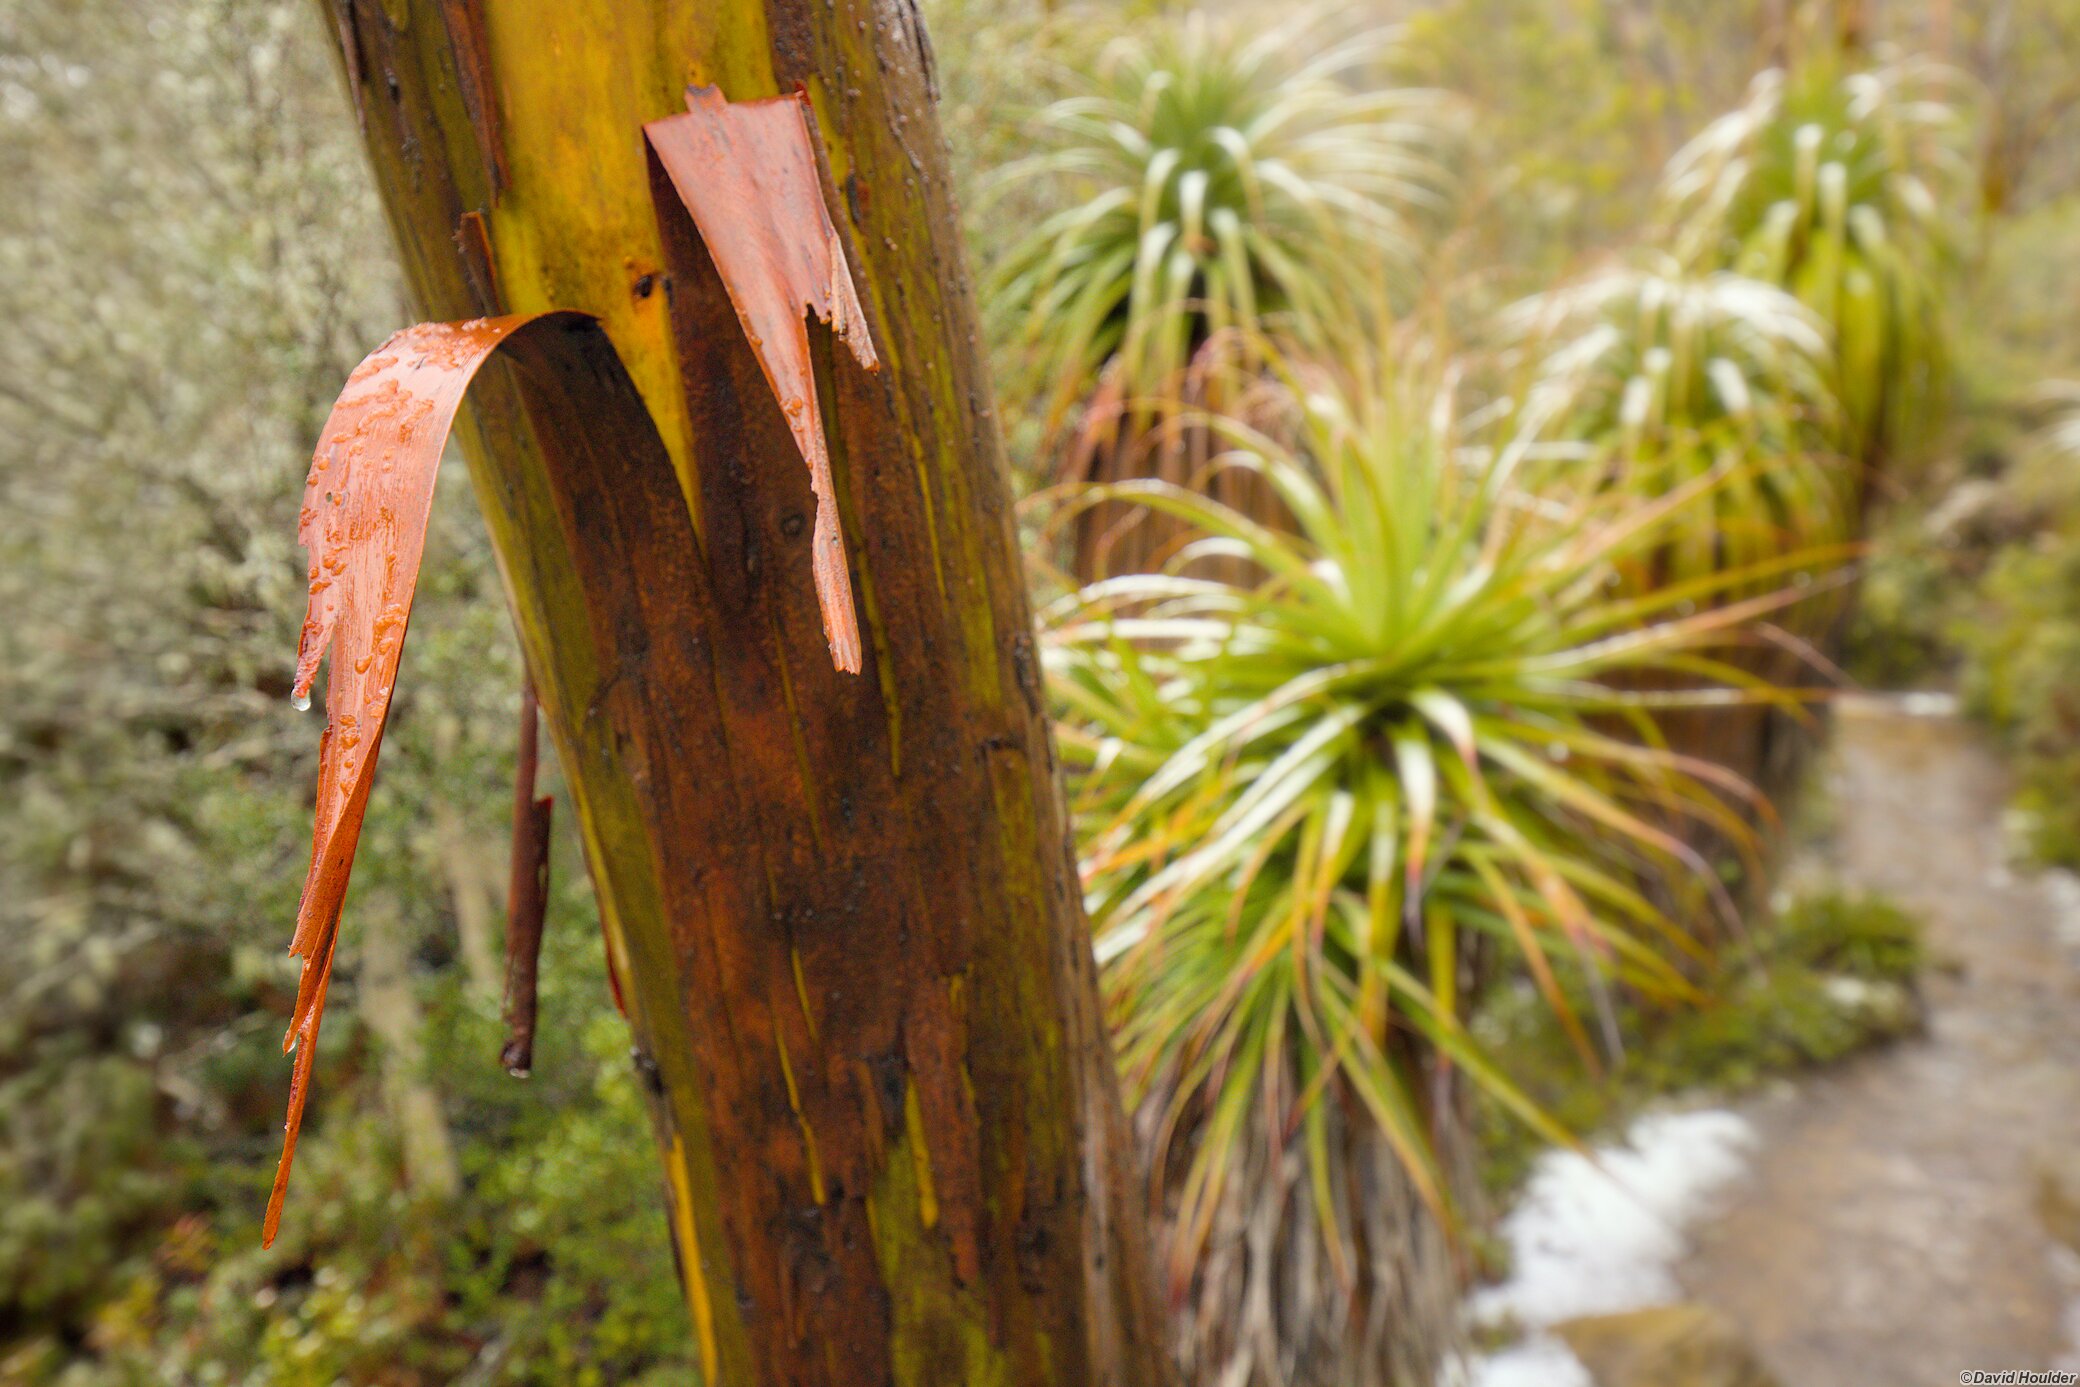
x=1887, y=1234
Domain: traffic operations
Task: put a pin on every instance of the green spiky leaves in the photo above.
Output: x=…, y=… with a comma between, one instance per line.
x=1221, y=176
x=1318, y=806
x=1653, y=377
x=1845, y=190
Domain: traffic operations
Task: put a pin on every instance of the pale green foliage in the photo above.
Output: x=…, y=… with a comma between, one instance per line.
x=1318, y=807
x=1844, y=189
x=1218, y=174
x=1656, y=376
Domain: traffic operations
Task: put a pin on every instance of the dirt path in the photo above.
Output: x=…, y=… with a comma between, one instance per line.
x=1887, y=1236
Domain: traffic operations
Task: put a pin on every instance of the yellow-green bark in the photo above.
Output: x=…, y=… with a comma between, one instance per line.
x=843, y=909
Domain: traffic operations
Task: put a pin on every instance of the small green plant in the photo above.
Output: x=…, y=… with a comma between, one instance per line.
x=1842, y=187
x=1322, y=805
x=1861, y=936
x=2019, y=632
x=2021, y=674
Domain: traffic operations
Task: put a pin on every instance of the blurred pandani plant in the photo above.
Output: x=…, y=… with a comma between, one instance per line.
x=1324, y=805
x=1221, y=178
x=2043, y=478
x=1654, y=376
x=2059, y=435
x=1644, y=378
x=1845, y=187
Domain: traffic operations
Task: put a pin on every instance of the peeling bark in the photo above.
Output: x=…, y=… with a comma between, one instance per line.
x=747, y=174
x=843, y=912
x=366, y=502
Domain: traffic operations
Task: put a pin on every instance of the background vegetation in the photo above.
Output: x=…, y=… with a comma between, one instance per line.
x=199, y=262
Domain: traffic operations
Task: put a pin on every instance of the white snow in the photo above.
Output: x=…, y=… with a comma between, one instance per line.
x=1537, y=1361
x=1599, y=1236
x=1927, y=703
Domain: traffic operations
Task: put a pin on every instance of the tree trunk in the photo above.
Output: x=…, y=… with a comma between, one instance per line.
x=843, y=910
x=473, y=892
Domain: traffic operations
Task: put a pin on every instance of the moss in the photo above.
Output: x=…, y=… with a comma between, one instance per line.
x=2022, y=665
x=1782, y=1021
x=1862, y=936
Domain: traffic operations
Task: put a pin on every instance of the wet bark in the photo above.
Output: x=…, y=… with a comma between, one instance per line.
x=842, y=909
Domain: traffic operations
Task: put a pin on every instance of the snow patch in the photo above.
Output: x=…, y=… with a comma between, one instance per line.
x=1600, y=1235
x=1927, y=704
x=1538, y=1361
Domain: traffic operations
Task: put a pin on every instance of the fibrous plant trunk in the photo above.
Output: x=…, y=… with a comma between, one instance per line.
x=1181, y=434
x=1371, y=1299
x=842, y=909
x=1121, y=442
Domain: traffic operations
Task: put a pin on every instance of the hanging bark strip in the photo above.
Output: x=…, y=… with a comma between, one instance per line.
x=747, y=173
x=527, y=897
x=365, y=507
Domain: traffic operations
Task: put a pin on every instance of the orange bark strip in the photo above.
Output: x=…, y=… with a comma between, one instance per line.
x=365, y=507
x=747, y=174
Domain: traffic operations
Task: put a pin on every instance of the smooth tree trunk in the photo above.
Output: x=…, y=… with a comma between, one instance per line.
x=471, y=871
x=842, y=909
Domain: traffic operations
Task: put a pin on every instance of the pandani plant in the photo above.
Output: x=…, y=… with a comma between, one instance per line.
x=1324, y=806
x=1215, y=175
x=1652, y=376
x=1842, y=186
x=2059, y=434
x=1646, y=376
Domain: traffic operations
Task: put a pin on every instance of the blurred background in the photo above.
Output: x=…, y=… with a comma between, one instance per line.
x=1848, y=296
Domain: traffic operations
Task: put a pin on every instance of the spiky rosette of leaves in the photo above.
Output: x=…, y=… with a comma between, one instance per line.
x=1653, y=376
x=1844, y=188
x=1320, y=806
x=1218, y=174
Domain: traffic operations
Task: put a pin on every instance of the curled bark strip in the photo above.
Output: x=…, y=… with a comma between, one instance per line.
x=527, y=899
x=747, y=174
x=365, y=506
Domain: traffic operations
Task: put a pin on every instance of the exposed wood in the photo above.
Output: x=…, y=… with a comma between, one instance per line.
x=746, y=173
x=843, y=910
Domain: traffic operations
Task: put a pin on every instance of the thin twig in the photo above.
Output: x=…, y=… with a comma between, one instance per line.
x=527, y=899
